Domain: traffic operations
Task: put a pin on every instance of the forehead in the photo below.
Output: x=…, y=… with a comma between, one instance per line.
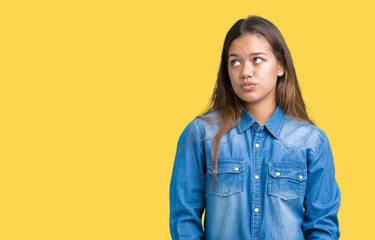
x=249, y=43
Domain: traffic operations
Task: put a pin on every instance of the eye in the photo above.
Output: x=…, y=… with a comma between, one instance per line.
x=258, y=60
x=235, y=63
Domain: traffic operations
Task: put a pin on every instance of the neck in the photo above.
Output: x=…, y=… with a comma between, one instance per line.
x=261, y=112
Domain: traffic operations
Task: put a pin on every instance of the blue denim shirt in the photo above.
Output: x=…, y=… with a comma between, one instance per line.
x=275, y=181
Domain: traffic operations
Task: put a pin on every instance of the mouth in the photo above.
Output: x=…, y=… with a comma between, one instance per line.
x=248, y=85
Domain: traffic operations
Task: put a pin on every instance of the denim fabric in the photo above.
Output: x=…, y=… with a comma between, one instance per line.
x=275, y=181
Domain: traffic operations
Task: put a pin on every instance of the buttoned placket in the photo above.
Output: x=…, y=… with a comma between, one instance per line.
x=256, y=199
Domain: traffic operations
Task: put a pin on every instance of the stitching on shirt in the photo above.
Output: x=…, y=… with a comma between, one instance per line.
x=193, y=139
x=287, y=165
x=281, y=126
x=316, y=142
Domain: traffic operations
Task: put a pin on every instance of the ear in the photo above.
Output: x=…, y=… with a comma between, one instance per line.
x=280, y=68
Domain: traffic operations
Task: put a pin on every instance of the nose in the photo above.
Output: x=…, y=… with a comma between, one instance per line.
x=247, y=70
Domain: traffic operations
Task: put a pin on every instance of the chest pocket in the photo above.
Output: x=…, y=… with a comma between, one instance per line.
x=286, y=181
x=230, y=178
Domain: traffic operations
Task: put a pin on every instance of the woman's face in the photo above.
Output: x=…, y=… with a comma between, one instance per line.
x=253, y=70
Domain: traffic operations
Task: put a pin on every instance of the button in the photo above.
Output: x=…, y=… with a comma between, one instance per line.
x=261, y=128
x=256, y=210
x=256, y=145
x=256, y=177
x=300, y=176
x=236, y=169
x=255, y=125
x=277, y=174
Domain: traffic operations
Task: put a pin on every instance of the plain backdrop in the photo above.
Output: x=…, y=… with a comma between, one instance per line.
x=95, y=94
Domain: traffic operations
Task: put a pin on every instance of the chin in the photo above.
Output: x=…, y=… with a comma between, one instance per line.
x=248, y=99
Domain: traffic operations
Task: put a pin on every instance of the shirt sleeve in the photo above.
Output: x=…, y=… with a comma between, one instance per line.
x=322, y=198
x=187, y=187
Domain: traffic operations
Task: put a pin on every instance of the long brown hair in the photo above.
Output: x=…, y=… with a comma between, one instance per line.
x=224, y=99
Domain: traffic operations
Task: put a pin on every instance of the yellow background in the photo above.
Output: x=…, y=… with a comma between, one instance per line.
x=94, y=95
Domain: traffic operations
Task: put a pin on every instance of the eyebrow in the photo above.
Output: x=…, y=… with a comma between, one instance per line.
x=251, y=54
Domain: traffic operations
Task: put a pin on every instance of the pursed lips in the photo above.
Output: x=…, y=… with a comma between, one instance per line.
x=247, y=84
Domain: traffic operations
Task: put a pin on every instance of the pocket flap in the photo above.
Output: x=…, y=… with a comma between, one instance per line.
x=288, y=171
x=226, y=166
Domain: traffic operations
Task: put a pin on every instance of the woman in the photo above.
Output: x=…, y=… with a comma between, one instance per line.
x=254, y=161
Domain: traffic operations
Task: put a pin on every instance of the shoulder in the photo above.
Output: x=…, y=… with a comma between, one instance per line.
x=295, y=133
x=203, y=126
x=209, y=122
x=203, y=123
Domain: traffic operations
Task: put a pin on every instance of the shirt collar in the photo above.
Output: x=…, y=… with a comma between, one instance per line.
x=274, y=124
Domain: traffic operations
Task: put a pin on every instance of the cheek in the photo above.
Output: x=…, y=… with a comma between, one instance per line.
x=231, y=83
x=268, y=75
x=231, y=77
